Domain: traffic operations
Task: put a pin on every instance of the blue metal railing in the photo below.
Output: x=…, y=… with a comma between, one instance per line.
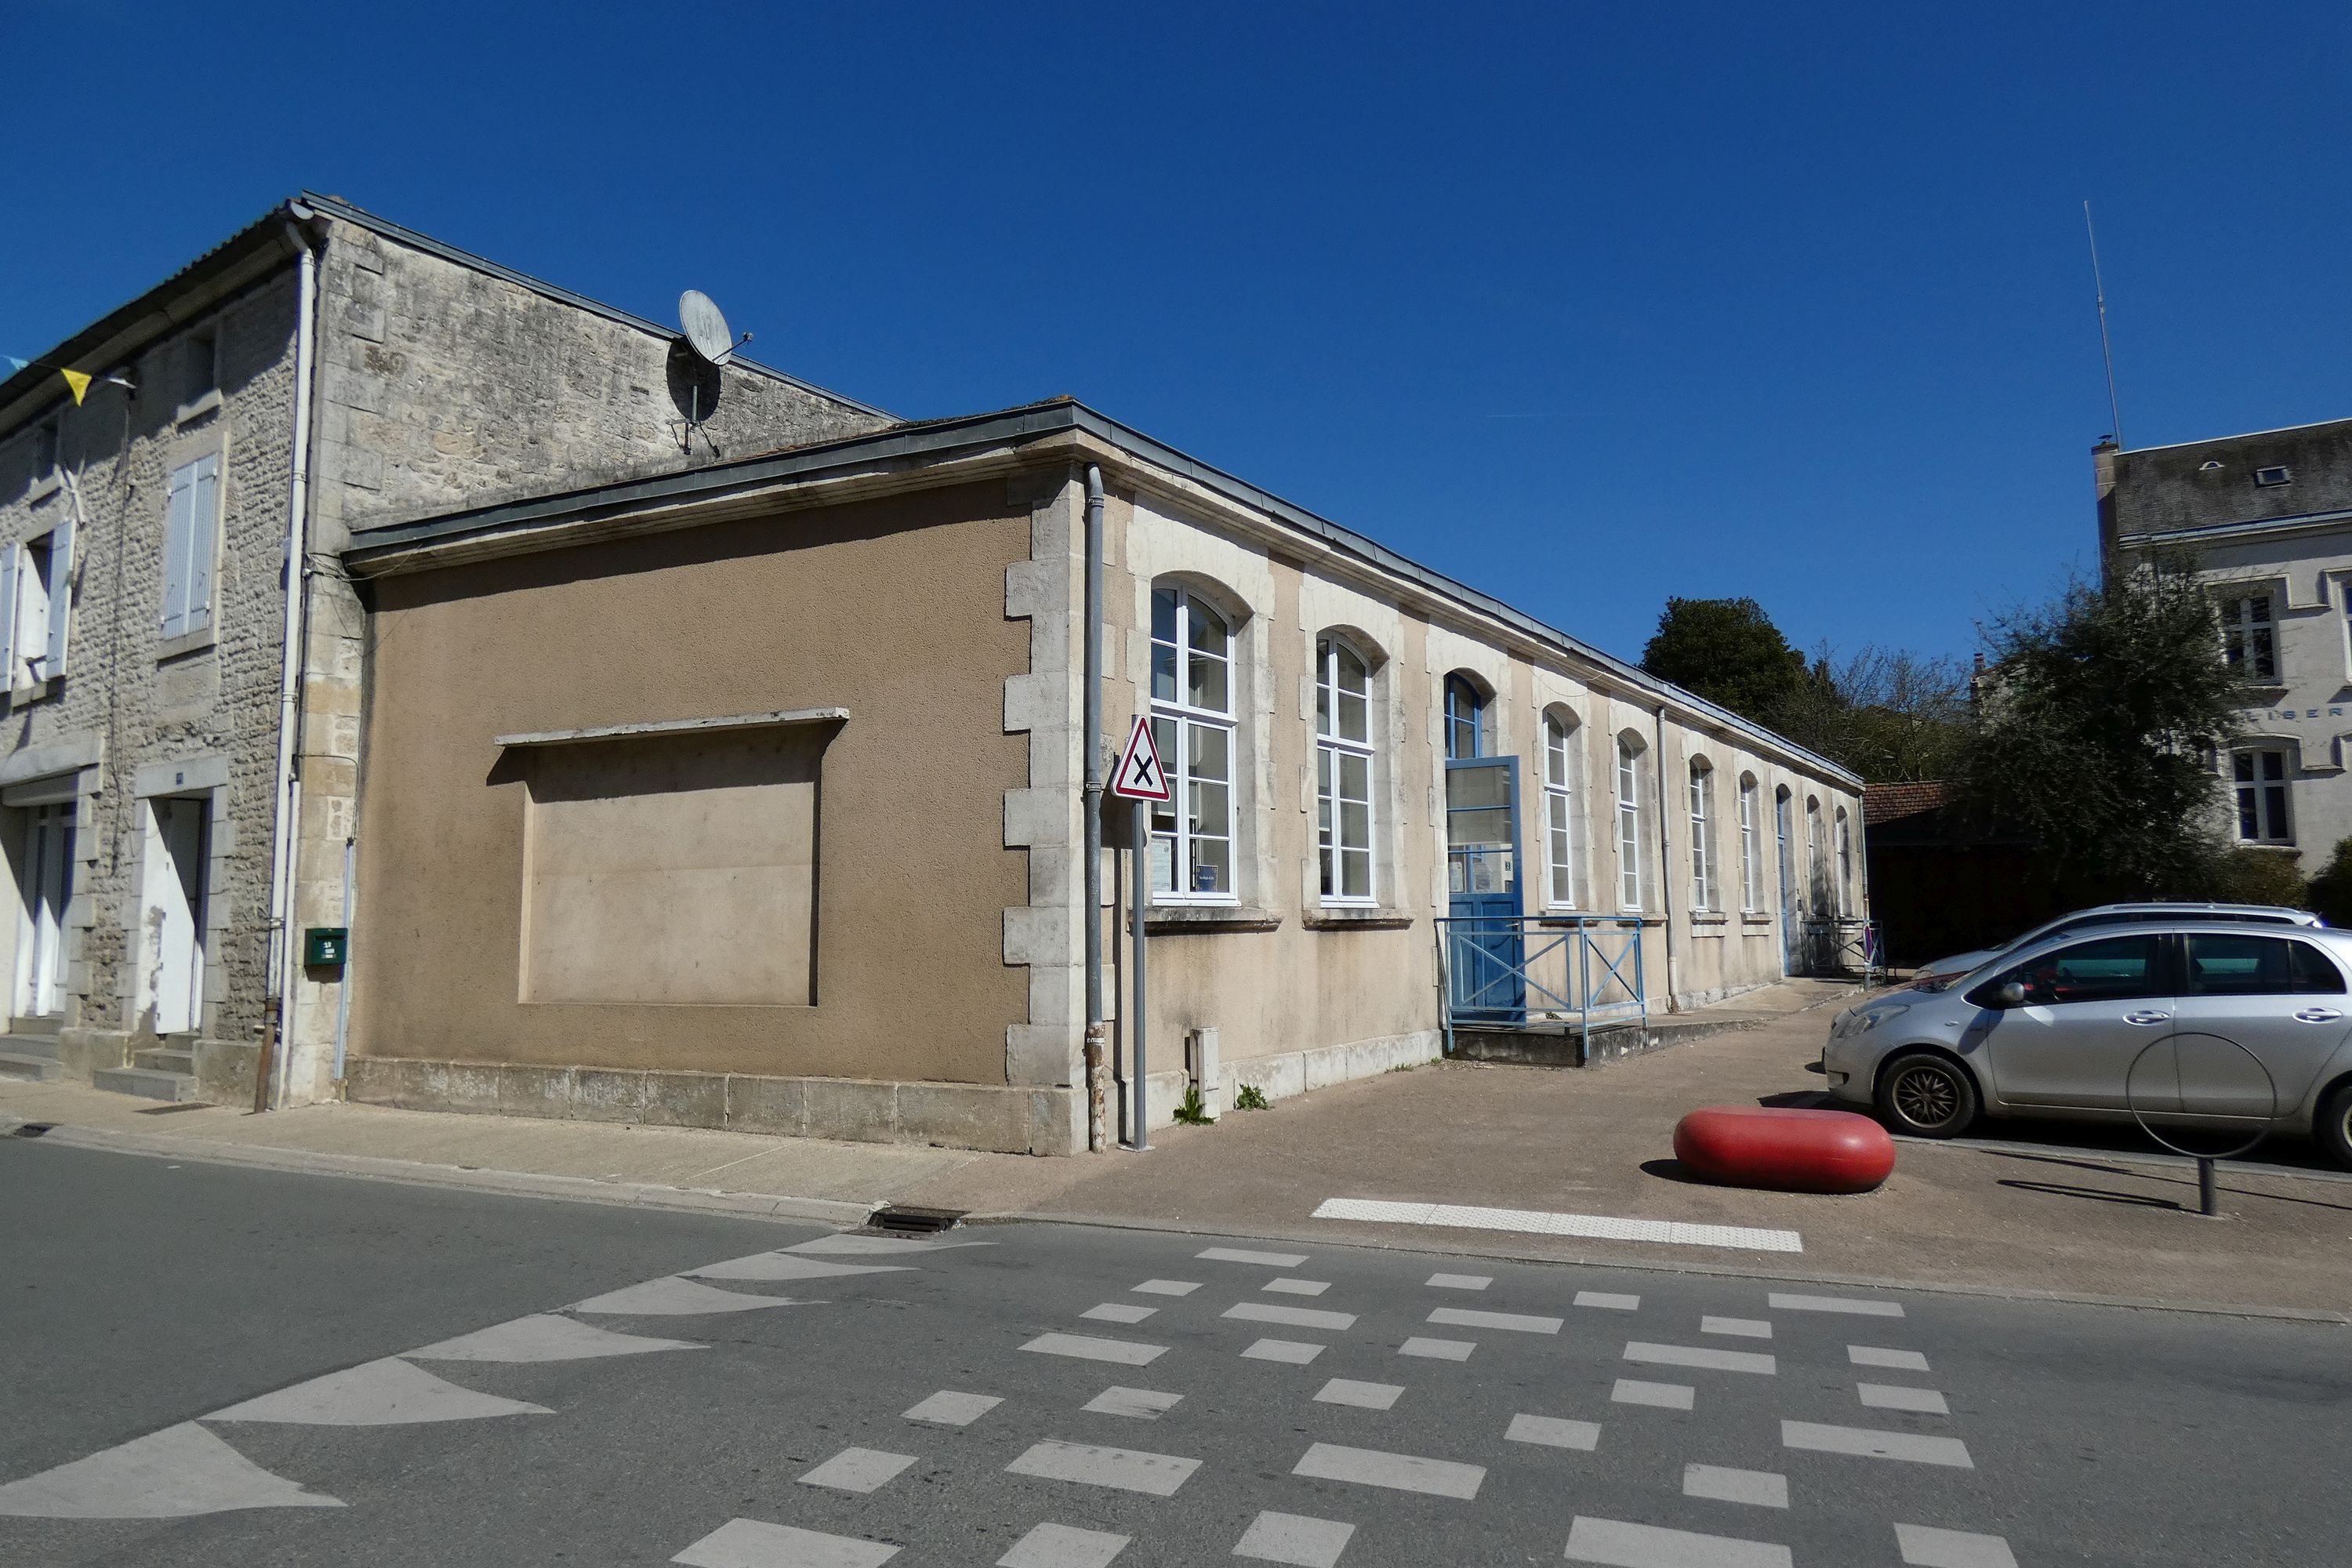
x=1518, y=972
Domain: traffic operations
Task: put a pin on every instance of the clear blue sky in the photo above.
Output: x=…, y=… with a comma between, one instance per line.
x=1586, y=305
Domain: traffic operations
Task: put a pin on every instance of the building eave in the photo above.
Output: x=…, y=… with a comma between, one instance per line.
x=2249, y=528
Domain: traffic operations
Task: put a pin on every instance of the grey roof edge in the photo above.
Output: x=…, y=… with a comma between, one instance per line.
x=2240, y=436
x=778, y=720
x=335, y=206
x=2241, y=528
x=935, y=438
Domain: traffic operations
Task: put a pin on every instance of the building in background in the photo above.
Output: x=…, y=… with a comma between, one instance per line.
x=179, y=773
x=2269, y=519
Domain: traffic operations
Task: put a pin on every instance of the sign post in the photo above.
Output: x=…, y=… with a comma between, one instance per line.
x=1140, y=781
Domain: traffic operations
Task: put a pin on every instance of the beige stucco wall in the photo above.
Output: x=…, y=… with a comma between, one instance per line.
x=893, y=609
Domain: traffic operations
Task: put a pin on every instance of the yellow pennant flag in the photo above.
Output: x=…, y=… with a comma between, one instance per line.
x=79, y=381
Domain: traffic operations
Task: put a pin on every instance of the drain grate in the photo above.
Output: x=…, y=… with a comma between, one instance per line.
x=905, y=1219
x=33, y=1129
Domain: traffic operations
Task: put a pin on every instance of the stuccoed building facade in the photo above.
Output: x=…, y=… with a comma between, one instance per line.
x=2268, y=518
x=754, y=795
x=178, y=785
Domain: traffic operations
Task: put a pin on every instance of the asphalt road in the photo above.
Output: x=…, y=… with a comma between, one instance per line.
x=1662, y=1421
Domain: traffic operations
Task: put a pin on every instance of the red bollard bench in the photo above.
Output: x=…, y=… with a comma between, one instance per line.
x=1794, y=1151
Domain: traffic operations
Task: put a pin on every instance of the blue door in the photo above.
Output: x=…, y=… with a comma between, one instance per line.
x=1484, y=954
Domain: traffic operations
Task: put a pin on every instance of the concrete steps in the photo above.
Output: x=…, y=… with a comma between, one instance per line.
x=30, y=1057
x=148, y=1083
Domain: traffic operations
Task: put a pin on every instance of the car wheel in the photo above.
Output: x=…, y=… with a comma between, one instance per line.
x=2332, y=1127
x=1926, y=1096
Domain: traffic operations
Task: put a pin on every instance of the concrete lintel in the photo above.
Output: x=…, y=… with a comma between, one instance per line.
x=174, y=778
x=69, y=755
x=677, y=727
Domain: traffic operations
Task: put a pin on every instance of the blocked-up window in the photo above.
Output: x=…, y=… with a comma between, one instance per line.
x=674, y=870
x=191, y=532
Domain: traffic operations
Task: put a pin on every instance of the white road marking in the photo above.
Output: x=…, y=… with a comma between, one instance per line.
x=1924, y=1546
x=1364, y=1395
x=1438, y=1350
x=1461, y=1281
x=1622, y=1546
x=1397, y=1472
x=543, y=1336
x=1294, y=1352
x=755, y=1543
x=1705, y=1356
x=1824, y=1439
x=1064, y=1546
x=1125, y=1469
x=387, y=1393
x=1119, y=1312
x=784, y=1265
x=844, y=1245
x=1745, y=1328
x=176, y=1473
x=1168, y=1286
x=1662, y=1395
x=1782, y=1302
x=950, y=1408
x=1892, y=1396
x=1610, y=1299
x=1761, y=1488
x=1290, y=1286
x=1516, y=1323
x=1296, y=1317
x=1266, y=1260
x=1142, y=1403
x=1086, y=1347
x=1874, y=1356
x=1295, y=1539
x=859, y=1470
x=1535, y=1222
x=671, y=1297
x=1554, y=1432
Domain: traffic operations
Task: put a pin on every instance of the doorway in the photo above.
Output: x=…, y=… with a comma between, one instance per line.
x=1482, y=884
x=173, y=910
x=44, y=877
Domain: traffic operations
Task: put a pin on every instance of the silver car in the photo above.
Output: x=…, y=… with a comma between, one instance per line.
x=1959, y=963
x=2190, y=1023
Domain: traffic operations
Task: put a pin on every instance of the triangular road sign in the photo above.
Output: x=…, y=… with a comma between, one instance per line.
x=1139, y=775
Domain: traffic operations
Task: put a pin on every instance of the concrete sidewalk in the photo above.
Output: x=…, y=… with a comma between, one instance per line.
x=2033, y=1213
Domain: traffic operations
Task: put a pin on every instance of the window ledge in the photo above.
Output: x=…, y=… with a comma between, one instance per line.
x=188, y=413
x=1348, y=917
x=32, y=692
x=1175, y=920
x=1710, y=918
x=44, y=487
x=1751, y=917
x=187, y=642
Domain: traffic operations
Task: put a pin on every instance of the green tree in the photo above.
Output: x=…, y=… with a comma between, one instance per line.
x=1889, y=715
x=2331, y=890
x=2096, y=729
x=1727, y=651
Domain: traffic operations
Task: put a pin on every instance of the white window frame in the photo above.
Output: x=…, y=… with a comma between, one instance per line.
x=1752, y=847
x=35, y=601
x=1177, y=726
x=1563, y=878
x=2249, y=638
x=1816, y=868
x=1701, y=828
x=191, y=540
x=1846, y=902
x=2269, y=801
x=1334, y=747
x=1630, y=886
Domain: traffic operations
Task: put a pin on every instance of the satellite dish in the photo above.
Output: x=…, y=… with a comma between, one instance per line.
x=705, y=329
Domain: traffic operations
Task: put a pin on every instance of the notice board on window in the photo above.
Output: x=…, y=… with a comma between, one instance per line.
x=673, y=869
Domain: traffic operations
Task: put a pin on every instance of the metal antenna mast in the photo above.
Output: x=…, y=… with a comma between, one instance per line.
x=2106, y=346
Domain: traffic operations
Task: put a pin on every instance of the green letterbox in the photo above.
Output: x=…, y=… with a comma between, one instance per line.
x=325, y=946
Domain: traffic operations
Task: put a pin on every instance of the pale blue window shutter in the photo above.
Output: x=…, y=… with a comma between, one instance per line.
x=10, y=556
x=179, y=515
x=204, y=532
x=61, y=549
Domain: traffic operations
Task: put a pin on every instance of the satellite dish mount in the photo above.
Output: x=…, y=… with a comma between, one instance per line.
x=703, y=348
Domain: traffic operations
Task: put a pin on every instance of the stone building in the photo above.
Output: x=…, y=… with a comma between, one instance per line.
x=2268, y=520
x=179, y=773
x=753, y=795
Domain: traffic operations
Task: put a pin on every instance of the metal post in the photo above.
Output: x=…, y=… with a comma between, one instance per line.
x=1142, y=877
x=2207, y=1200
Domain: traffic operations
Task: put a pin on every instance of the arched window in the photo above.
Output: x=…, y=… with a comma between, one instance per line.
x=1845, y=899
x=1466, y=719
x=1701, y=828
x=1629, y=823
x=1751, y=848
x=1343, y=771
x=1559, y=811
x=1817, y=871
x=1192, y=725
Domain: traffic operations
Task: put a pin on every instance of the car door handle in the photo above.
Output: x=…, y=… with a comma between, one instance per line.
x=2147, y=1018
x=2318, y=1016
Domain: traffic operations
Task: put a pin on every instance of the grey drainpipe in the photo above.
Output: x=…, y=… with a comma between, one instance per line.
x=1091, y=738
x=1666, y=877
